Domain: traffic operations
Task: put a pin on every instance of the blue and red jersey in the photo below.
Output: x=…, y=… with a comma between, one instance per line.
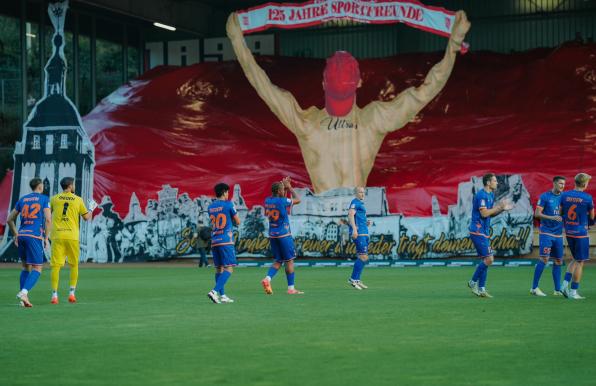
x=221, y=214
x=576, y=207
x=31, y=209
x=479, y=225
x=276, y=210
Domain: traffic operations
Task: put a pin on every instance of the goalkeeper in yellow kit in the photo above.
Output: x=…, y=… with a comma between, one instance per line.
x=66, y=209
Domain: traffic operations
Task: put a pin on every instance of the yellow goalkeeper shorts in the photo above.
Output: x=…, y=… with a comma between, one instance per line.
x=62, y=249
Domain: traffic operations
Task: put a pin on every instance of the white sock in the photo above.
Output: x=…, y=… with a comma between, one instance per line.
x=54, y=294
x=565, y=284
x=268, y=278
x=24, y=291
x=482, y=289
x=72, y=291
x=290, y=287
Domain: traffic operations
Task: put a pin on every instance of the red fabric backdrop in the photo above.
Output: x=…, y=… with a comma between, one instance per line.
x=531, y=113
x=5, y=191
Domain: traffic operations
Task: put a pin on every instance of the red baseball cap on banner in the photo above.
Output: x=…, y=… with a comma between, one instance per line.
x=341, y=79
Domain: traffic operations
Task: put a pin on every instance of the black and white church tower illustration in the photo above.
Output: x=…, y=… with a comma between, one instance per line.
x=54, y=143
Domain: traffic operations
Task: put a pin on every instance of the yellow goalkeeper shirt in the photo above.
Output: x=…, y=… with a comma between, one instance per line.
x=66, y=210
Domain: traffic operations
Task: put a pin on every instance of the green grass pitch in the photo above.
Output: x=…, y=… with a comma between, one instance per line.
x=140, y=325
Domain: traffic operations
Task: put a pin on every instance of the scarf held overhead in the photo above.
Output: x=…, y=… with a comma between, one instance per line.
x=431, y=19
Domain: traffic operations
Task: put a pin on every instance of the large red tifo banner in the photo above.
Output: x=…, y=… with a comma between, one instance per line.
x=160, y=143
x=171, y=135
x=526, y=117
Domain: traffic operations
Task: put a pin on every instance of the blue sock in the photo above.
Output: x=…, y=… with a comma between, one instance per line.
x=272, y=271
x=31, y=280
x=483, y=275
x=217, y=275
x=357, y=270
x=574, y=285
x=478, y=272
x=221, y=282
x=567, y=277
x=364, y=263
x=23, y=278
x=537, y=273
x=290, y=277
x=557, y=277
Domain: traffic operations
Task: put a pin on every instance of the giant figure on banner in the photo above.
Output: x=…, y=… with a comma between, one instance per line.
x=54, y=143
x=339, y=144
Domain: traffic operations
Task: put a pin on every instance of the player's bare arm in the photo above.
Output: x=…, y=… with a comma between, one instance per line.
x=352, y=222
x=11, y=221
x=538, y=214
x=47, y=214
x=503, y=205
x=287, y=182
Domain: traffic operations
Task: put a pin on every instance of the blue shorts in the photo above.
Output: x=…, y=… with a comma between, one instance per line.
x=224, y=255
x=31, y=250
x=579, y=247
x=361, y=245
x=282, y=249
x=482, y=245
x=551, y=246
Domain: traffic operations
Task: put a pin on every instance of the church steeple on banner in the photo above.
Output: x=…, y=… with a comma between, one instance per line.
x=54, y=144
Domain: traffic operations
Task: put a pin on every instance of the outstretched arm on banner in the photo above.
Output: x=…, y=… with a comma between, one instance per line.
x=395, y=114
x=281, y=102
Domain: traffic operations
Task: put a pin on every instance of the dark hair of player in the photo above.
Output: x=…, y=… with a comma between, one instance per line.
x=34, y=183
x=486, y=178
x=220, y=189
x=66, y=182
x=276, y=188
